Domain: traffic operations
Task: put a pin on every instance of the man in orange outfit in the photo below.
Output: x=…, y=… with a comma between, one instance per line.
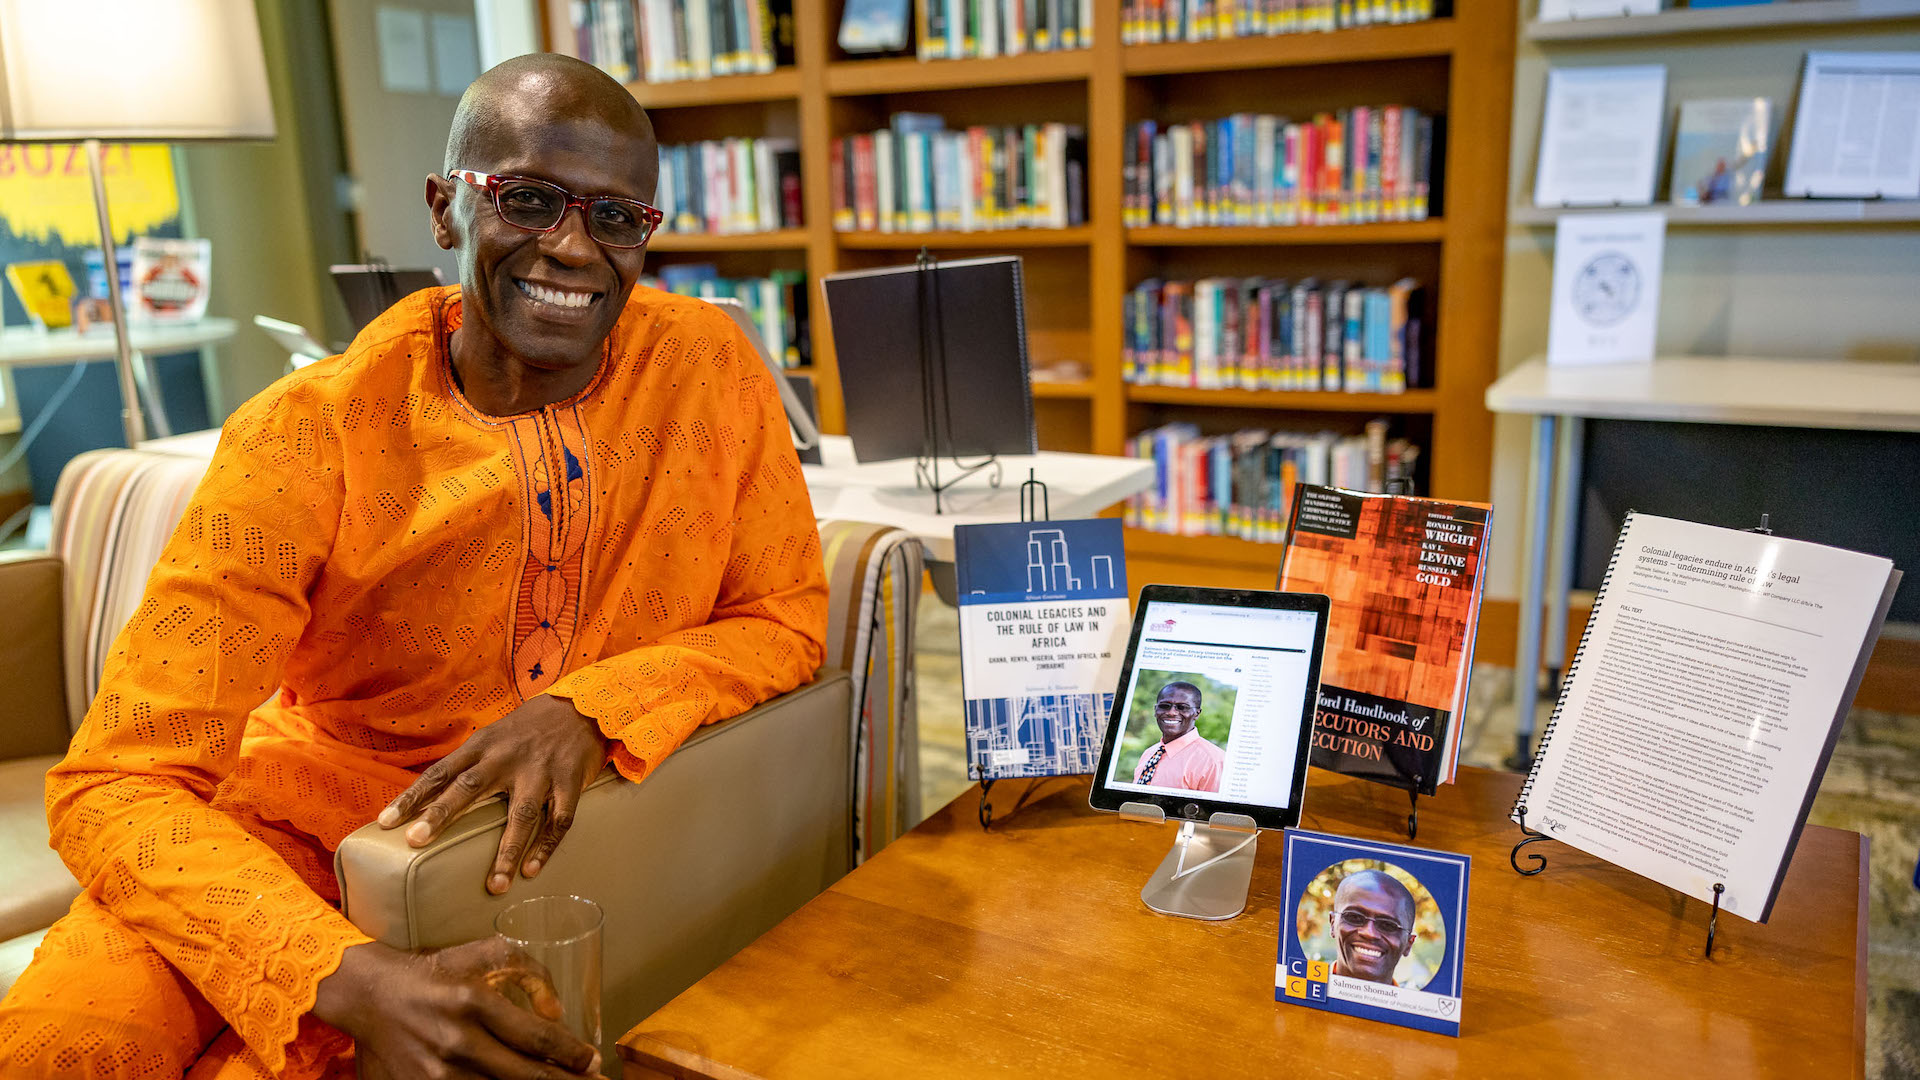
x=522, y=528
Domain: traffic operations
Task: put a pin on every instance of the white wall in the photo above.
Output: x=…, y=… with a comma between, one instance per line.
x=394, y=138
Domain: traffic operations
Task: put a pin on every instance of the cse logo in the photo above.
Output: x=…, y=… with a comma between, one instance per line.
x=1307, y=979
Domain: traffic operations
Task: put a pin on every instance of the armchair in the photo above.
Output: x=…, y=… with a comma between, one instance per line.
x=744, y=823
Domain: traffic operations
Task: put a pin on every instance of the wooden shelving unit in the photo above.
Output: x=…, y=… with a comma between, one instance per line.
x=1011, y=239
x=899, y=76
x=780, y=85
x=1077, y=278
x=1432, y=38
x=1412, y=401
x=1078, y=390
x=1384, y=232
x=777, y=240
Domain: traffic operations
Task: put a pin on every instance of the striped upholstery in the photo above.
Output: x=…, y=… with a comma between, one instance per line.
x=114, y=510
x=873, y=574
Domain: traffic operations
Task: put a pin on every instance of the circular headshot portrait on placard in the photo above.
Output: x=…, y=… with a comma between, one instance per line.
x=1374, y=921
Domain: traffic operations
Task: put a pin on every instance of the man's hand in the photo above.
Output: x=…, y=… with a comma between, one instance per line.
x=440, y=1014
x=542, y=754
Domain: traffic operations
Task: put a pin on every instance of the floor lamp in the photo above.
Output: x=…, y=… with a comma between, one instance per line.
x=130, y=71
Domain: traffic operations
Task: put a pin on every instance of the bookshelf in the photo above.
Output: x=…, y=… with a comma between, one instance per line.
x=1077, y=278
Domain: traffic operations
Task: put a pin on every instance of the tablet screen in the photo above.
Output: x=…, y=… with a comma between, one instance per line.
x=1215, y=700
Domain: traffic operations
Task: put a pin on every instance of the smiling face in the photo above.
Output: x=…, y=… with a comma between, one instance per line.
x=1372, y=925
x=1175, y=711
x=541, y=302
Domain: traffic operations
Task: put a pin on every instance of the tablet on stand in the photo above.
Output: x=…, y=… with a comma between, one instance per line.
x=1209, y=728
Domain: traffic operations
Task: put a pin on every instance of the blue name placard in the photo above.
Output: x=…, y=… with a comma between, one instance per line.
x=1373, y=930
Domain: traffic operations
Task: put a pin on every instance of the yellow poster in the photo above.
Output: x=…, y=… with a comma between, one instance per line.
x=45, y=194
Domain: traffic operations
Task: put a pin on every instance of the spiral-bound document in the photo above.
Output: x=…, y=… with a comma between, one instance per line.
x=1701, y=709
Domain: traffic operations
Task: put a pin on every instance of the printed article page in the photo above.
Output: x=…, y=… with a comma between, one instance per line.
x=1216, y=703
x=1703, y=703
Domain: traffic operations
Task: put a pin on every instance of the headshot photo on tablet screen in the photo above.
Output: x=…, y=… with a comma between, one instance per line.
x=1215, y=703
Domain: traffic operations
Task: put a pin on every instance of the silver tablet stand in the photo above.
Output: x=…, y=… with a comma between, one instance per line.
x=1209, y=871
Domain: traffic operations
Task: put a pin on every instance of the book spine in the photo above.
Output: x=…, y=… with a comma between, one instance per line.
x=1518, y=814
x=1376, y=139
x=1422, y=168
x=866, y=184
x=839, y=176
x=929, y=20
x=955, y=40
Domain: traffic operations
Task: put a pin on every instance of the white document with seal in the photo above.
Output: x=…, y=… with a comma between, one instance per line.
x=1600, y=136
x=1606, y=287
x=1700, y=712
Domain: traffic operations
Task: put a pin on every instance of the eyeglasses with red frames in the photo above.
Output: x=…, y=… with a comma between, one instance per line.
x=537, y=206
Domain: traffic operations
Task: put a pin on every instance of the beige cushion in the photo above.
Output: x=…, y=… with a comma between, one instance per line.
x=14, y=957
x=35, y=886
x=33, y=714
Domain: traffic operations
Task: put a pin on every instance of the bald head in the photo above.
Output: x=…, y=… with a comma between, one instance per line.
x=1383, y=884
x=518, y=96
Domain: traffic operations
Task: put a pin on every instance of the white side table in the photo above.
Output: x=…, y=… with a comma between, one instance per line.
x=23, y=346
x=1683, y=390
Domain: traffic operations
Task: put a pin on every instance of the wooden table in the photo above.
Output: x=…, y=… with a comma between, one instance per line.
x=954, y=953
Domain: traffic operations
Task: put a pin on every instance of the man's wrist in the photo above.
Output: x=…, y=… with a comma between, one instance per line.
x=593, y=726
x=340, y=997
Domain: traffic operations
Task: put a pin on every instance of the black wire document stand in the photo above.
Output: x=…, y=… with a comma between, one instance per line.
x=1033, y=507
x=934, y=368
x=937, y=416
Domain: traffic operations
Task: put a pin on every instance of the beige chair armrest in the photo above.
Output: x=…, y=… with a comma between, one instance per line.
x=745, y=822
x=33, y=719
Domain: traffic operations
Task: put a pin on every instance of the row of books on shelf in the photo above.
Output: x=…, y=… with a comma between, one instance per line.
x=1150, y=21
x=778, y=303
x=917, y=176
x=669, y=40
x=964, y=29
x=1253, y=333
x=1364, y=164
x=730, y=186
x=1241, y=485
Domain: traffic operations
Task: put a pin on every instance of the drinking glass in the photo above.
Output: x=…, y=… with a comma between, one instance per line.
x=562, y=933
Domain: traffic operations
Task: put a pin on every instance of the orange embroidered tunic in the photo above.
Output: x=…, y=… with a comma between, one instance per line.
x=388, y=570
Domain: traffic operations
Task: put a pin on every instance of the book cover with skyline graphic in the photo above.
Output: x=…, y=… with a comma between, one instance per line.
x=1043, y=627
x=1405, y=576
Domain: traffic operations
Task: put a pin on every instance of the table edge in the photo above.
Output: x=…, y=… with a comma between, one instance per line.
x=1862, y=1000
x=673, y=1061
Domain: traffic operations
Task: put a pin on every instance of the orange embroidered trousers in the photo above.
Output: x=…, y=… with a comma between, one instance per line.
x=101, y=1003
x=109, y=1006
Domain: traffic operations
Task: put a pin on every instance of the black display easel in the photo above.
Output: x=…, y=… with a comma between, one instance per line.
x=1413, y=807
x=933, y=366
x=1539, y=863
x=1033, y=507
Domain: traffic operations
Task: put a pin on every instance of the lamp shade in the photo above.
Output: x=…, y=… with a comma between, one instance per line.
x=121, y=70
